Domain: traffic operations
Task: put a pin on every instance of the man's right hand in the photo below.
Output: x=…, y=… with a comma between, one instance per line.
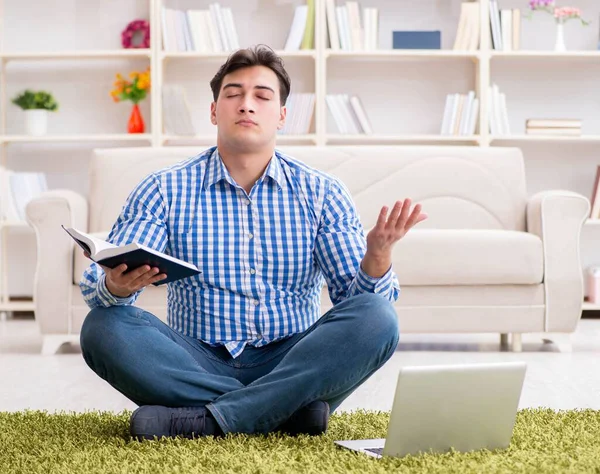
x=123, y=284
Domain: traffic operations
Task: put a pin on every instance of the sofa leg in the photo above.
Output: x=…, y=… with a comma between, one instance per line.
x=53, y=342
x=562, y=341
x=517, y=345
x=503, y=340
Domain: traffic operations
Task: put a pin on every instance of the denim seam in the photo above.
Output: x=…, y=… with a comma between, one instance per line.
x=218, y=418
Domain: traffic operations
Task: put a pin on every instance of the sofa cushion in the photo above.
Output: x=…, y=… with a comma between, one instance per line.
x=468, y=257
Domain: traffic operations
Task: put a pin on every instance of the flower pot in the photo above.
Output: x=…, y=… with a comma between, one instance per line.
x=136, y=121
x=559, y=44
x=36, y=121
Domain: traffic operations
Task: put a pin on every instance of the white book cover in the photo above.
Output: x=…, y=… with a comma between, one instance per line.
x=345, y=28
x=355, y=24
x=211, y=31
x=371, y=25
x=473, y=116
x=294, y=39
x=360, y=113
x=332, y=105
x=504, y=112
x=475, y=22
x=178, y=28
x=8, y=208
x=346, y=118
x=167, y=46
x=495, y=25
x=289, y=106
x=187, y=32
x=446, y=116
x=232, y=35
x=497, y=108
x=197, y=30
x=506, y=21
x=215, y=29
x=466, y=112
x=304, y=112
x=221, y=27
x=454, y=113
x=492, y=113
x=459, y=39
x=185, y=112
x=311, y=112
x=334, y=37
x=516, y=29
x=348, y=113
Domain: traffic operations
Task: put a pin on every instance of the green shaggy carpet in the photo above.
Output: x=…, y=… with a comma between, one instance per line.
x=38, y=442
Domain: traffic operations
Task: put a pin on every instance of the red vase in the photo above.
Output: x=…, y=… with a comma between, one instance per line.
x=136, y=122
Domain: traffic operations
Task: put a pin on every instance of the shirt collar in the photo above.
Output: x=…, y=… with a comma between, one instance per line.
x=216, y=171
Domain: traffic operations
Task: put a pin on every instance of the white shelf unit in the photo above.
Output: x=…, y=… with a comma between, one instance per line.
x=320, y=70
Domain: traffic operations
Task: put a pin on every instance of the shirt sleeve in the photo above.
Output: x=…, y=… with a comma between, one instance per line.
x=143, y=220
x=340, y=248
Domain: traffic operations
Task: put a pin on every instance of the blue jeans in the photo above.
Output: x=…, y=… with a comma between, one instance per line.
x=152, y=364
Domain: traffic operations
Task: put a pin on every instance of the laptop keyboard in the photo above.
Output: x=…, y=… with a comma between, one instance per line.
x=375, y=450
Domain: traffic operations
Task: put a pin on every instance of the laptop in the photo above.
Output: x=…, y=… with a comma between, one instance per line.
x=436, y=408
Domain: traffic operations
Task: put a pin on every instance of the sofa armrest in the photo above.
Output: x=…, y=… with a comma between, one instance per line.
x=557, y=217
x=52, y=288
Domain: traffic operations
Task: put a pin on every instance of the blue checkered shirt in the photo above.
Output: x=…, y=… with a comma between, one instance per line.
x=264, y=256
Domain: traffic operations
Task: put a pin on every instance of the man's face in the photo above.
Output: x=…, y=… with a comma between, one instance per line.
x=248, y=111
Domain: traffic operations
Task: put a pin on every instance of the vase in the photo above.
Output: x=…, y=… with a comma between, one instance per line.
x=136, y=121
x=559, y=44
x=36, y=121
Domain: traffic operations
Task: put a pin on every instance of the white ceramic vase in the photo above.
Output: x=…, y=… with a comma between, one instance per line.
x=36, y=121
x=559, y=45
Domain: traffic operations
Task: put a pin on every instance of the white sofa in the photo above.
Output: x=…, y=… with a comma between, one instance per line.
x=488, y=260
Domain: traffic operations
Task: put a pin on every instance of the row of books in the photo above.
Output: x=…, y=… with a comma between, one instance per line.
x=16, y=190
x=468, y=31
x=506, y=27
x=349, y=115
x=347, y=31
x=302, y=31
x=497, y=111
x=300, y=108
x=205, y=31
x=177, y=116
x=460, y=114
x=570, y=127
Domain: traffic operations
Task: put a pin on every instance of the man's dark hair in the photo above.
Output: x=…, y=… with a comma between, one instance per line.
x=260, y=55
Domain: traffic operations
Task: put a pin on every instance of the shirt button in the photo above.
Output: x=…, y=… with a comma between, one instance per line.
x=255, y=302
x=246, y=202
x=250, y=236
x=252, y=271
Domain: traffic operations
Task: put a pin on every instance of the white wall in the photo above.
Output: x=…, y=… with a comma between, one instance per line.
x=400, y=96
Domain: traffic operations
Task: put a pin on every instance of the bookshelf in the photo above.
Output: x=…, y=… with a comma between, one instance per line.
x=413, y=82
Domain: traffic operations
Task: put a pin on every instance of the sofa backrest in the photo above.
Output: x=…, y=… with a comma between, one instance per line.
x=459, y=186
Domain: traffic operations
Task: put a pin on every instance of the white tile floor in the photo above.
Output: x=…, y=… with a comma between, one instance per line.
x=63, y=382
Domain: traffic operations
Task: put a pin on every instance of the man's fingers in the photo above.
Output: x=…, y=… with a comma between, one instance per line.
x=404, y=215
x=395, y=214
x=412, y=219
x=381, y=220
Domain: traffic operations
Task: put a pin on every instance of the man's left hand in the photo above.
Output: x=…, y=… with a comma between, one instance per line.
x=389, y=230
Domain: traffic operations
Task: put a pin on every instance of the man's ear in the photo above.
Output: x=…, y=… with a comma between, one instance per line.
x=213, y=113
x=282, y=115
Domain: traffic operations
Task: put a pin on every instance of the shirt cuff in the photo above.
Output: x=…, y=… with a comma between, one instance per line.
x=369, y=284
x=108, y=298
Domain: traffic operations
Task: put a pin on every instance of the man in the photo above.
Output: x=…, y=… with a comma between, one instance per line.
x=246, y=348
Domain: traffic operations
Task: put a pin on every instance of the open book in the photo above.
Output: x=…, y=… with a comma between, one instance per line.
x=134, y=255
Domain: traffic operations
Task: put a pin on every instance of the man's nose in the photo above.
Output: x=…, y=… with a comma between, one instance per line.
x=247, y=106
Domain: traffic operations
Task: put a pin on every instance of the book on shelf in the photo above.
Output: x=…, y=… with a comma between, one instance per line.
x=595, y=201
x=17, y=188
x=505, y=25
x=134, y=255
x=460, y=114
x=300, y=108
x=347, y=30
x=302, y=30
x=468, y=31
x=177, y=117
x=498, y=113
x=568, y=127
x=348, y=114
x=205, y=31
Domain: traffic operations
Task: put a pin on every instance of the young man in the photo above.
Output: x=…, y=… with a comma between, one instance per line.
x=246, y=348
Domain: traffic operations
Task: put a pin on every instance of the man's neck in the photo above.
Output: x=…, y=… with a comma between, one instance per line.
x=245, y=168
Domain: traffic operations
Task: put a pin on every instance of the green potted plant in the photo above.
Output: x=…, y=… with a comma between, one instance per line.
x=36, y=106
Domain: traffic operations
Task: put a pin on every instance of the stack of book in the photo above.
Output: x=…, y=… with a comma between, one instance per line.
x=460, y=114
x=506, y=27
x=302, y=32
x=177, y=117
x=16, y=190
x=348, y=114
x=553, y=127
x=300, y=108
x=348, y=31
x=467, y=34
x=202, y=31
x=498, y=114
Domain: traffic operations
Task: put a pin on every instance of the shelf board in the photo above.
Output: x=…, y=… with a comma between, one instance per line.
x=309, y=53
x=592, y=222
x=76, y=138
x=591, y=54
x=546, y=138
x=21, y=224
x=212, y=139
x=587, y=306
x=402, y=138
x=402, y=53
x=91, y=54
x=17, y=306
